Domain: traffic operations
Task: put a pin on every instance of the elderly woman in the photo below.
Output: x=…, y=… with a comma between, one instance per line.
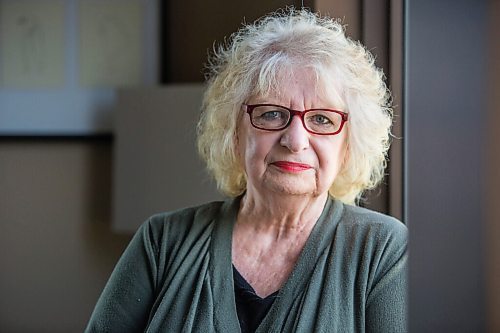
x=295, y=126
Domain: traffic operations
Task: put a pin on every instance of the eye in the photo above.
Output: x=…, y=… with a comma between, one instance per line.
x=272, y=115
x=320, y=119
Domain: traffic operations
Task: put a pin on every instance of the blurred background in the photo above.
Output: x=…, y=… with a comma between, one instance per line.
x=98, y=105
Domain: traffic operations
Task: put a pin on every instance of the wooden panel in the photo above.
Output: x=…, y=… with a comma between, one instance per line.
x=192, y=26
x=396, y=171
x=348, y=11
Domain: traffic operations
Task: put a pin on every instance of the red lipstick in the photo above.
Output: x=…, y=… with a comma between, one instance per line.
x=292, y=166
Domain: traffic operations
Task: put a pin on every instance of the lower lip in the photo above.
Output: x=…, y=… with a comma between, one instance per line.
x=292, y=167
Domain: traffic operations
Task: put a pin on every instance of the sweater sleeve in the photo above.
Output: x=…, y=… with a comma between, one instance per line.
x=386, y=308
x=126, y=300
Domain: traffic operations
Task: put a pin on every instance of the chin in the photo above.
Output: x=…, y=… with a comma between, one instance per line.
x=298, y=187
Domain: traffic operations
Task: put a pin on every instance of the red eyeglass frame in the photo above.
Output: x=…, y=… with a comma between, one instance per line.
x=301, y=114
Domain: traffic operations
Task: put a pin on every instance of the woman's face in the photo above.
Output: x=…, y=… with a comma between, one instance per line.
x=291, y=161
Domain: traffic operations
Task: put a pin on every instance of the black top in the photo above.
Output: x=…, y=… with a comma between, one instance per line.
x=251, y=308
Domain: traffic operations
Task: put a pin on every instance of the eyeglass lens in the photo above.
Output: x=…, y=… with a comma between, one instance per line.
x=275, y=118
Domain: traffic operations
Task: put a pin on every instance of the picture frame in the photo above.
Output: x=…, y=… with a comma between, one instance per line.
x=62, y=62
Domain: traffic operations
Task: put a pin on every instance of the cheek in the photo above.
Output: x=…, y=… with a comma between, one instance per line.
x=254, y=152
x=332, y=157
x=247, y=148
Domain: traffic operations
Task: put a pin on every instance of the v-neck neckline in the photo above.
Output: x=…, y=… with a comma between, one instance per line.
x=221, y=267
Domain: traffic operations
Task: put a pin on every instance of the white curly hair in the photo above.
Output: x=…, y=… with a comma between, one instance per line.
x=251, y=63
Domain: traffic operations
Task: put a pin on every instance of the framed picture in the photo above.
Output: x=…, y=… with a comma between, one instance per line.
x=63, y=61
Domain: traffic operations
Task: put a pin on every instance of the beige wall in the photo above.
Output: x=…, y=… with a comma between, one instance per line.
x=56, y=248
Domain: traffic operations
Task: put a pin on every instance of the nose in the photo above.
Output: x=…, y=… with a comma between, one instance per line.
x=295, y=137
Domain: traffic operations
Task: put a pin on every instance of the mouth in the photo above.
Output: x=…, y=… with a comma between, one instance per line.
x=291, y=166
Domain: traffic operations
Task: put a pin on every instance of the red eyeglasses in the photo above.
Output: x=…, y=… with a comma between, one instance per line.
x=271, y=117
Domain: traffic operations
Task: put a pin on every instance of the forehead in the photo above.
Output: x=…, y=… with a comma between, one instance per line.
x=289, y=86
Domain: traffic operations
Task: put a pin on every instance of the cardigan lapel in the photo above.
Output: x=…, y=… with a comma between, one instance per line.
x=221, y=269
x=296, y=284
x=221, y=276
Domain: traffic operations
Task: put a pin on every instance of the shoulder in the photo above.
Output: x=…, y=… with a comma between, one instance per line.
x=374, y=224
x=170, y=227
x=380, y=241
x=195, y=214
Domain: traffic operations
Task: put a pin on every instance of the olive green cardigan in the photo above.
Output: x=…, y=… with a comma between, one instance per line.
x=176, y=276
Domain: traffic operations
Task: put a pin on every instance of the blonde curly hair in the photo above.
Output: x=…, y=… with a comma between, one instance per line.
x=251, y=64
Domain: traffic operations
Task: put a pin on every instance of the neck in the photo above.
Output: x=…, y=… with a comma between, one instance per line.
x=282, y=214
